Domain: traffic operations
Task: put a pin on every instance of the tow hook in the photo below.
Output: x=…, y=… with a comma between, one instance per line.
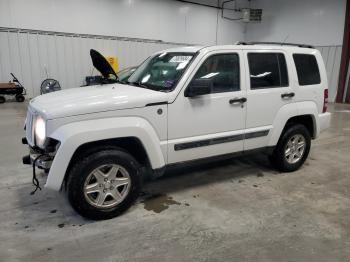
x=26, y=160
x=24, y=141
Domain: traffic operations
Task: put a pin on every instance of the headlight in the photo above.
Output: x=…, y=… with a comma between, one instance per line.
x=40, y=131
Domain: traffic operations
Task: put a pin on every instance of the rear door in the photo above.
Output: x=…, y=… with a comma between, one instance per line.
x=269, y=89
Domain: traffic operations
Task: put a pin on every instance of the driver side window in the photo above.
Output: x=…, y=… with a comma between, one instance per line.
x=223, y=71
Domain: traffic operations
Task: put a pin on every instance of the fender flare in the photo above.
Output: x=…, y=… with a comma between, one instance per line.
x=287, y=112
x=73, y=135
x=310, y=108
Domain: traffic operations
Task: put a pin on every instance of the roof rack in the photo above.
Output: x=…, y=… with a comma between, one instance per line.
x=274, y=43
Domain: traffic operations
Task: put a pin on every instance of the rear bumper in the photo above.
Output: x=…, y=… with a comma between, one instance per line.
x=324, y=121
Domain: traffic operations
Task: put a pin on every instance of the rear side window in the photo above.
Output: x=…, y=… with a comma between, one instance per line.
x=307, y=69
x=267, y=70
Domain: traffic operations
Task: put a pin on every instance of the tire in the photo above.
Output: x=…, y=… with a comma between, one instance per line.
x=88, y=204
x=2, y=99
x=285, y=162
x=20, y=98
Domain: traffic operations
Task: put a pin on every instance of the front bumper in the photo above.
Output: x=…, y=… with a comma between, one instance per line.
x=42, y=160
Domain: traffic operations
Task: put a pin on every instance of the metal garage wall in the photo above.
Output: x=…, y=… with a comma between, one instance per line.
x=331, y=57
x=65, y=57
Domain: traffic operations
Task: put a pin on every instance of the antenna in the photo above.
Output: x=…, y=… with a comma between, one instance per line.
x=285, y=39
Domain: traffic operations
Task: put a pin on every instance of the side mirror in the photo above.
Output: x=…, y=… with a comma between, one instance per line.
x=199, y=86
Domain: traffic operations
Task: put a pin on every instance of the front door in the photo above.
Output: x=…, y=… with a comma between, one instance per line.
x=211, y=124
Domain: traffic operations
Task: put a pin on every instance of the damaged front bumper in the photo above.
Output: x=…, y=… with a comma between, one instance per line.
x=42, y=158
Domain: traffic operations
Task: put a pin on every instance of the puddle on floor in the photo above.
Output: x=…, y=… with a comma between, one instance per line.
x=158, y=202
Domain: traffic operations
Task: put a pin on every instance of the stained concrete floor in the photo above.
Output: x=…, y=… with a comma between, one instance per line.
x=233, y=210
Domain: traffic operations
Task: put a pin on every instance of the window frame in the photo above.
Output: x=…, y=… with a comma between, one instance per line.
x=216, y=54
x=317, y=65
x=268, y=52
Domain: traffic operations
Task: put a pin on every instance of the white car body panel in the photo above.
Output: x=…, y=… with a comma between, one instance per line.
x=261, y=101
x=92, y=99
x=206, y=113
x=75, y=134
x=87, y=114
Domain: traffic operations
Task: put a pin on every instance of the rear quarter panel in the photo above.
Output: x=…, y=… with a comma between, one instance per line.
x=311, y=93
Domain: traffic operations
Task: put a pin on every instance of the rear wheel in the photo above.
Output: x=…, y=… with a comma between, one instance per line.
x=104, y=184
x=2, y=99
x=19, y=98
x=292, y=149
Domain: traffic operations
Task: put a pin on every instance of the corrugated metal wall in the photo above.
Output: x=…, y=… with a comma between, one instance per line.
x=65, y=57
x=331, y=57
x=29, y=55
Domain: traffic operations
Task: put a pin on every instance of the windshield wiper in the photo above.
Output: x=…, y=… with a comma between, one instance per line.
x=105, y=81
x=138, y=84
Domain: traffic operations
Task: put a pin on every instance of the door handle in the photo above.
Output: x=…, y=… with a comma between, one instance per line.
x=238, y=100
x=288, y=95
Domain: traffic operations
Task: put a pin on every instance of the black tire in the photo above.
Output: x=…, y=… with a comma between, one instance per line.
x=80, y=172
x=278, y=159
x=2, y=99
x=20, y=98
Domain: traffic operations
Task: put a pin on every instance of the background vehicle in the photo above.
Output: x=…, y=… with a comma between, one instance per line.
x=179, y=105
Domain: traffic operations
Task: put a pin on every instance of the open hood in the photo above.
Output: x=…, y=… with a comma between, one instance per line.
x=101, y=64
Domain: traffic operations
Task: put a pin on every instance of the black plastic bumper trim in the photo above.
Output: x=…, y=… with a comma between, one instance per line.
x=24, y=141
x=26, y=160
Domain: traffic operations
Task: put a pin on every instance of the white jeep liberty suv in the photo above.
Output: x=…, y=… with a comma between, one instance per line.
x=179, y=105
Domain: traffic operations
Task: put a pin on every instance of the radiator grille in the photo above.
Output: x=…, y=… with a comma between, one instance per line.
x=30, y=128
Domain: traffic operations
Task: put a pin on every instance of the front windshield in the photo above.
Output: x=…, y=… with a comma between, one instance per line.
x=124, y=74
x=162, y=71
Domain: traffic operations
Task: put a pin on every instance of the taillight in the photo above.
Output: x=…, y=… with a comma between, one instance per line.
x=325, y=101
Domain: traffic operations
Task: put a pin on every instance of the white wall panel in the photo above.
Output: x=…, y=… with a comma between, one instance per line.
x=26, y=69
x=331, y=58
x=34, y=57
x=5, y=56
x=315, y=22
x=33, y=86
x=167, y=20
x=67, y=58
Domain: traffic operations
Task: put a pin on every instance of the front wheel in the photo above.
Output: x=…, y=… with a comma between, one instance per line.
x=104, y=184
x=292, y=149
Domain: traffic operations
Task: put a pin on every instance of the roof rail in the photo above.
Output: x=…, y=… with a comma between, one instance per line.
x=274, y=43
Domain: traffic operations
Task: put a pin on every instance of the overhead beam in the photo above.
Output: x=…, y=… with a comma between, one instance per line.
x=206, y=5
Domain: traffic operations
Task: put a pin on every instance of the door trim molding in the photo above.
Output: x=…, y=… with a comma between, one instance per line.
x=220, y=140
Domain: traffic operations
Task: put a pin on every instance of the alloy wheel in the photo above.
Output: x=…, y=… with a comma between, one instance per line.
x=295, y=148
x=107, y=186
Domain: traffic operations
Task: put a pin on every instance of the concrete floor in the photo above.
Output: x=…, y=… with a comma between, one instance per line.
x=235, y=210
